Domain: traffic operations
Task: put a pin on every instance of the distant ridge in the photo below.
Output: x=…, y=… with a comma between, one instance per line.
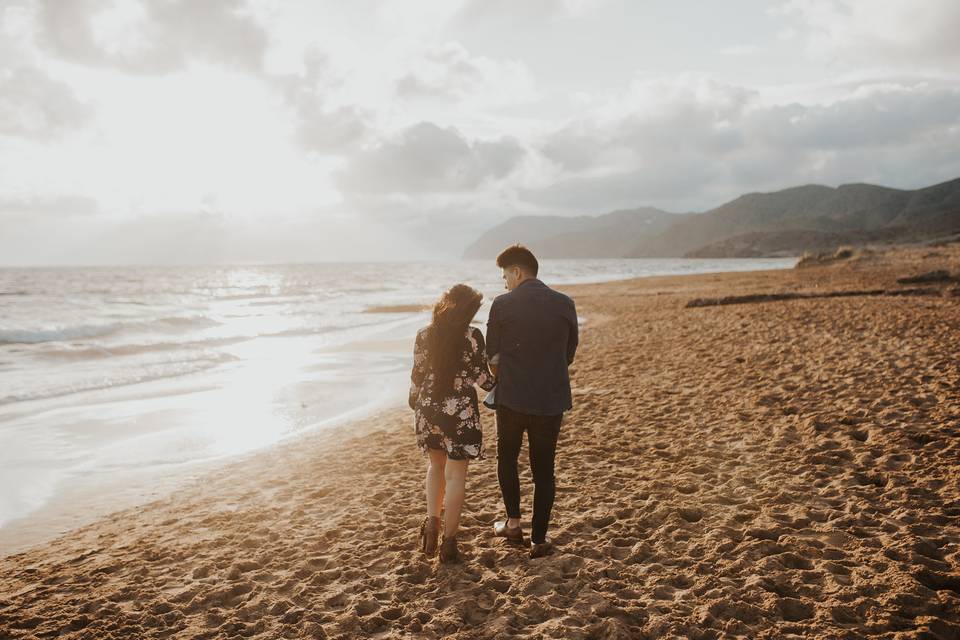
x=781, y=223
x=613, y=234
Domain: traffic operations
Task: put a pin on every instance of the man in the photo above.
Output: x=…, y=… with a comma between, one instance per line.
x=532, y=337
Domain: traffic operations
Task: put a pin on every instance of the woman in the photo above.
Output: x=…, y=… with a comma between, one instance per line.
x=448, y=360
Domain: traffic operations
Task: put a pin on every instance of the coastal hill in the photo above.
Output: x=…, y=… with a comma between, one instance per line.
x=613, y=234
x=782, y=223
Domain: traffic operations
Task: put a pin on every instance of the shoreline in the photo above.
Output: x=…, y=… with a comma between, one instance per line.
x=725, y=470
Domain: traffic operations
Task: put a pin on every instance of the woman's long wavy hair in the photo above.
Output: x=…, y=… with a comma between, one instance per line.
x=448, y=333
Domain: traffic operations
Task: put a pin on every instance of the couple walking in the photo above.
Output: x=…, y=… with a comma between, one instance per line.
x=531, y=339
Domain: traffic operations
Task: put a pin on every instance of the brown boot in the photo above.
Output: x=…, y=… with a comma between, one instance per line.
x=448, y=550
x=429, y=532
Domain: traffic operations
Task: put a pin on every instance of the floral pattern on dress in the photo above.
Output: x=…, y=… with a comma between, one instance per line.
x=451, y=422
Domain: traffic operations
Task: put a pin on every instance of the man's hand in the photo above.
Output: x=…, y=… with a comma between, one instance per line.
x=494, y=362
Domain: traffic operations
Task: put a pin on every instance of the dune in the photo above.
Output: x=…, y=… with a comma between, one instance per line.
x=787, y=467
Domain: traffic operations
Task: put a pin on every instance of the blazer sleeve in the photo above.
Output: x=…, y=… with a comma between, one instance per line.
x=494, y=328
x=573, y=337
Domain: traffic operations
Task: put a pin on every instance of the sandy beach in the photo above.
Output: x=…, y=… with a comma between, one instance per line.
x=747, y=467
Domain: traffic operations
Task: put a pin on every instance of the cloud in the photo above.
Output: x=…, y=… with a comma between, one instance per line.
x=434, y=187
x=34, y=105
x=321, y=125
x=426, y=158
x=651, y=120
x=691, y=143
x=177, y=238
x=449, y=71
x=156, y=38
x=332, y=130
x=150, y=37
x=48, y=206
x=433, y=16
x=900, y=32
x=666, y=182
x=879, y=117
x=530, y=10
x=740, y=50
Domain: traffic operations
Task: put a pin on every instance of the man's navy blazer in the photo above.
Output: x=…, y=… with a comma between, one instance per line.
x=534, y=331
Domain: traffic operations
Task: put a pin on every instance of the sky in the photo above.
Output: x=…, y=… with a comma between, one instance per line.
x=184, y=131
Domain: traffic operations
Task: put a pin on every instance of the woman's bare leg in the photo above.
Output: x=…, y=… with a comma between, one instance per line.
x=435, y=481
x=456, y=479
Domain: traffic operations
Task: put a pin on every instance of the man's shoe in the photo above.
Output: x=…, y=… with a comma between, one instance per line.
x=541, y=549
x=512, y=534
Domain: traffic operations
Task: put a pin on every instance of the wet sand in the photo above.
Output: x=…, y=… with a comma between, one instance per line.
x=768, y=468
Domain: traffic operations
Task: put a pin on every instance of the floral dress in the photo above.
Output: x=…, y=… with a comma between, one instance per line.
x=451, y=422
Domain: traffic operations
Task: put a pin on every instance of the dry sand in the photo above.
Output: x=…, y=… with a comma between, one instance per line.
x=774, y=469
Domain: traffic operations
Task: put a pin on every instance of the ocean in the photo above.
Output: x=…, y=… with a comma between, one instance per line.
x=119, y=383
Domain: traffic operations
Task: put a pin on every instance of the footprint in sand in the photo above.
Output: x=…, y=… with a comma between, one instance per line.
x=691, y=514
x=500, y=586
x=792, y=560
x=663, y=592
x=860, y=435
x=366, y=607
x=600, y=522
x=794, y=610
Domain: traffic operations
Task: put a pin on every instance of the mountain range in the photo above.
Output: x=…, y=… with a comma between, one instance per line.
x=809, y=218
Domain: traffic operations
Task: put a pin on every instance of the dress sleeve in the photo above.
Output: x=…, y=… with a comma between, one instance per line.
x=419, y=371
x=479, y=368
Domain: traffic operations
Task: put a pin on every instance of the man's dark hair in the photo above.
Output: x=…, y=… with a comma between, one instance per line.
x=518, y=256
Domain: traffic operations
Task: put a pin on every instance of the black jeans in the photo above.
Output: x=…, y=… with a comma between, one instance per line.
x=542, y=433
